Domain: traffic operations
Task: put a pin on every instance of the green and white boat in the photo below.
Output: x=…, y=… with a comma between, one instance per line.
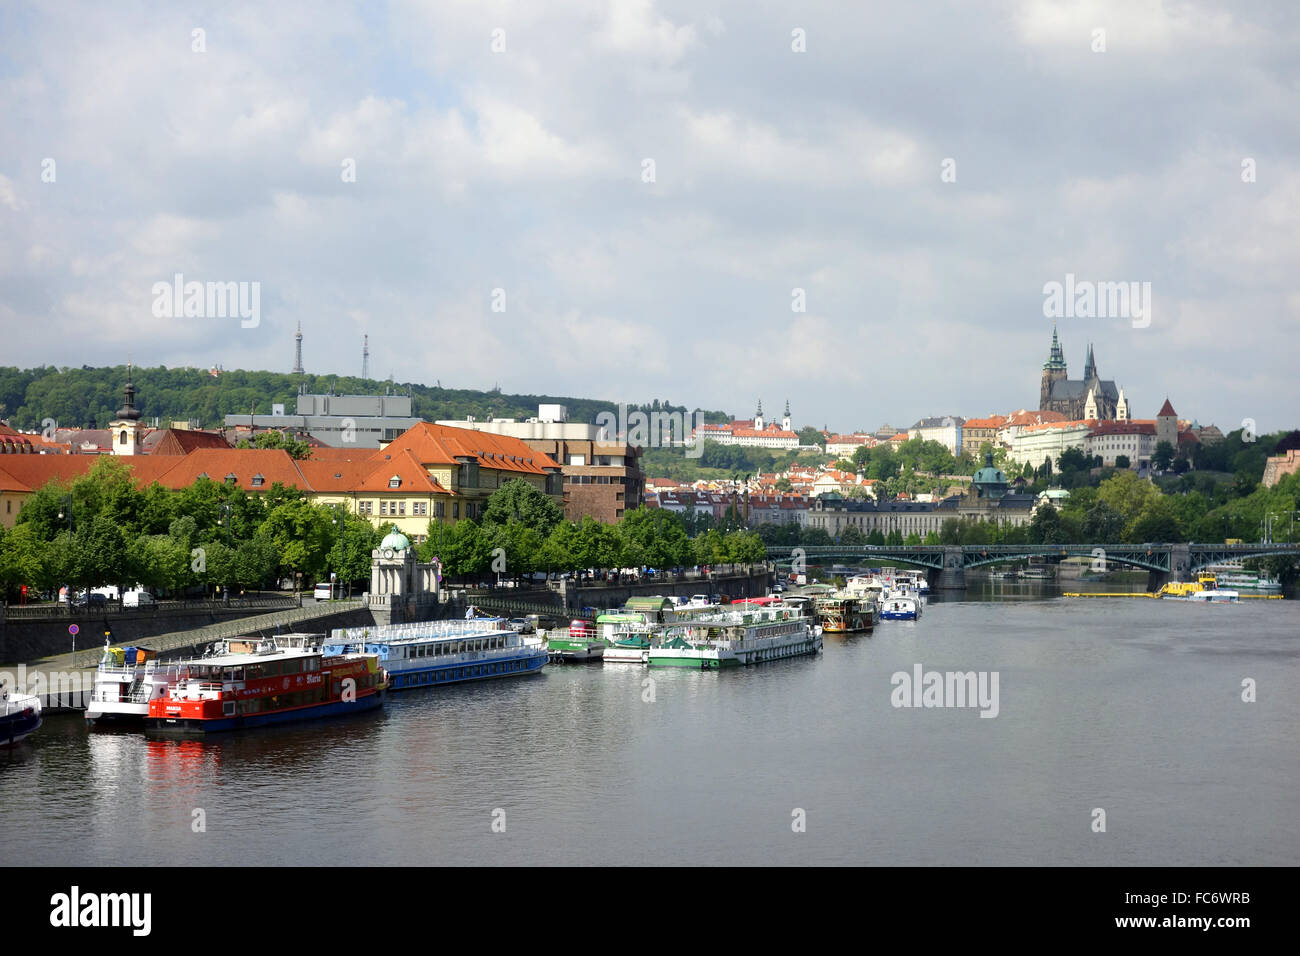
x=736, y=638
x=627, y=637
x=577, y=642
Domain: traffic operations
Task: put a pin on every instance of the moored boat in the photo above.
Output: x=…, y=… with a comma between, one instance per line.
x=125, y=681
x=433, y=653
x=844, y=615
x=249, y=683
x=737, y=638
x=900, y=606
x=579, y=642
x=20, y=716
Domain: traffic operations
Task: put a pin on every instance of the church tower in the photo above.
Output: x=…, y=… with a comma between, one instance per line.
x=1167, y=425
x=758, y=417
x=1121, y=408
x=785, y=420
x=1054, y=370
x=127, y=429
x=1090, y=406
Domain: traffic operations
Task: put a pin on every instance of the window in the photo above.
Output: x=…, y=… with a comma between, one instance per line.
x=455, y=510
x=383, y=507
x=258, y=480
x=440, y=509
x=401, y=507
x=395, y=482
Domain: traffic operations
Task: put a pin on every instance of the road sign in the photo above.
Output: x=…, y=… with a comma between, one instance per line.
x=73, y=629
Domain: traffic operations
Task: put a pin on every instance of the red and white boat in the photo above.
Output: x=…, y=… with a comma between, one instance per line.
x=253, y=683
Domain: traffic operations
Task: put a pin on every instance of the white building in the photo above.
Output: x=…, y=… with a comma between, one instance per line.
x=1033, y=444
x=947, y=431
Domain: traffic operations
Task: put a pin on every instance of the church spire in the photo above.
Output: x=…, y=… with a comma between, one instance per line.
x=128, y=412
x=1090, y=366
x=1055, y=358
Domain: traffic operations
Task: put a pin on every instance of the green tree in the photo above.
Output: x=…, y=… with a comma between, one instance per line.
x=517, y=500
x=1163, y=456
x=272, y=438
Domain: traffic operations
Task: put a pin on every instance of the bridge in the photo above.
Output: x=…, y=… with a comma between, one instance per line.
x=946, y=564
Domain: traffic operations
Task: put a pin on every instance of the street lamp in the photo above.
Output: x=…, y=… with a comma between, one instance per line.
x=223, y=520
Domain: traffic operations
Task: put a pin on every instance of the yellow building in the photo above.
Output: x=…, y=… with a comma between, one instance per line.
x=429, y=472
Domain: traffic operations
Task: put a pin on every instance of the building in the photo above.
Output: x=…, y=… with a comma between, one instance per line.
x=845, y=446
x=976, y=431
x=360, y=421
x=126, y=430
x=1034, y=444
x=1277, y=467
x=756, y=432
x=1134, y=440
x=1072, y=397
x=602, y=479
x=947, y=431
x=428, y=473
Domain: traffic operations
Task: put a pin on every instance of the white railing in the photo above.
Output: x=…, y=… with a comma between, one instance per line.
x=17, y=703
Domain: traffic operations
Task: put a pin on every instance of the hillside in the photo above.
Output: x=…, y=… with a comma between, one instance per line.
x=85, y=396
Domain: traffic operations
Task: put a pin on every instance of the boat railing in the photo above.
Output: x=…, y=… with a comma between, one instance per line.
x=18, y=703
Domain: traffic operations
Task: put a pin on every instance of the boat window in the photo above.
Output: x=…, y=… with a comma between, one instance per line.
x=292, y=667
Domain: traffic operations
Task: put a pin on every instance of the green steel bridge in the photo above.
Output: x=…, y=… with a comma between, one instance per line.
x=948, y=563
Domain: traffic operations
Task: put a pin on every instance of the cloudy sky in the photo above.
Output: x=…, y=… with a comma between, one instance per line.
x=919, y=170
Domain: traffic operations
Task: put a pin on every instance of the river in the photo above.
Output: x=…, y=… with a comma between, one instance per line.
x=1132, y=707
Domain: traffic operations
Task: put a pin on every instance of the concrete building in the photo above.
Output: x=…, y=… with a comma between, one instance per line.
x=601, y=479
x=947, y=431
x=340, y=421
x=1034, y=444
x=1133, y=440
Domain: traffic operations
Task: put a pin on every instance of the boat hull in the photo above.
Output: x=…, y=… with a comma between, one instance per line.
x=196, y=727
x=514, y=666
x=19, y=719
x=711, y=658
x=626, y=655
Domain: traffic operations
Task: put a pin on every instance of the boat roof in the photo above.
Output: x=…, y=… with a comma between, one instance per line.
x=420, y=632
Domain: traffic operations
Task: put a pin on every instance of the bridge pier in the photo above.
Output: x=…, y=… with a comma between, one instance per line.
x=1180, y=567
x=953, y=575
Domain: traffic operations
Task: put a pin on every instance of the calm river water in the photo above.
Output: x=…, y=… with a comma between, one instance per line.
x=1130, y=706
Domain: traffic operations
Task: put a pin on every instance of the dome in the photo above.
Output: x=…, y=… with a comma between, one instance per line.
x=395, y=540
x=989, y=482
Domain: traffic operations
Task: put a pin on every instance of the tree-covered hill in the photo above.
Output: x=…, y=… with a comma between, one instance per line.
x=85, y=397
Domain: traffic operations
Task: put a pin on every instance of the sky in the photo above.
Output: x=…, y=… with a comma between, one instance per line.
x=857, y=207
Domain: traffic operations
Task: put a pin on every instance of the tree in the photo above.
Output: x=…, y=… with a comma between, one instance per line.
x=302, y=535
x=1163, y=456
x=517, y=500
x=349, y=556
x=272, y=438
x=1045, y=528
x=1103, y=524
x=808, y=435
x=1122, y=461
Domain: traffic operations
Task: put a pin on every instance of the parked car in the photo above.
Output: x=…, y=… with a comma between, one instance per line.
x=521, y=625
x=91, y=600
x=138, y=599
x=324, y=591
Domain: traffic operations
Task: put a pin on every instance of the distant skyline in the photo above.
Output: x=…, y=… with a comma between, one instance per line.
x=916, y=177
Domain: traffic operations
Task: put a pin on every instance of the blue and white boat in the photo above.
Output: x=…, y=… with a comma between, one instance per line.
x=433, y=653
x=900, y=606
x=20, y=716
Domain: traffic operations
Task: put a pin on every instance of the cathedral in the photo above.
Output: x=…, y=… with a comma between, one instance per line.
x=1089, y=397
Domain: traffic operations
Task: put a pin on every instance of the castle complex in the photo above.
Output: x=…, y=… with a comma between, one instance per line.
x=1090, y=397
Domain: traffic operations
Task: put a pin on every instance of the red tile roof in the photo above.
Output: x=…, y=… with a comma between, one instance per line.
x=1166, y=410
x=442, y=445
